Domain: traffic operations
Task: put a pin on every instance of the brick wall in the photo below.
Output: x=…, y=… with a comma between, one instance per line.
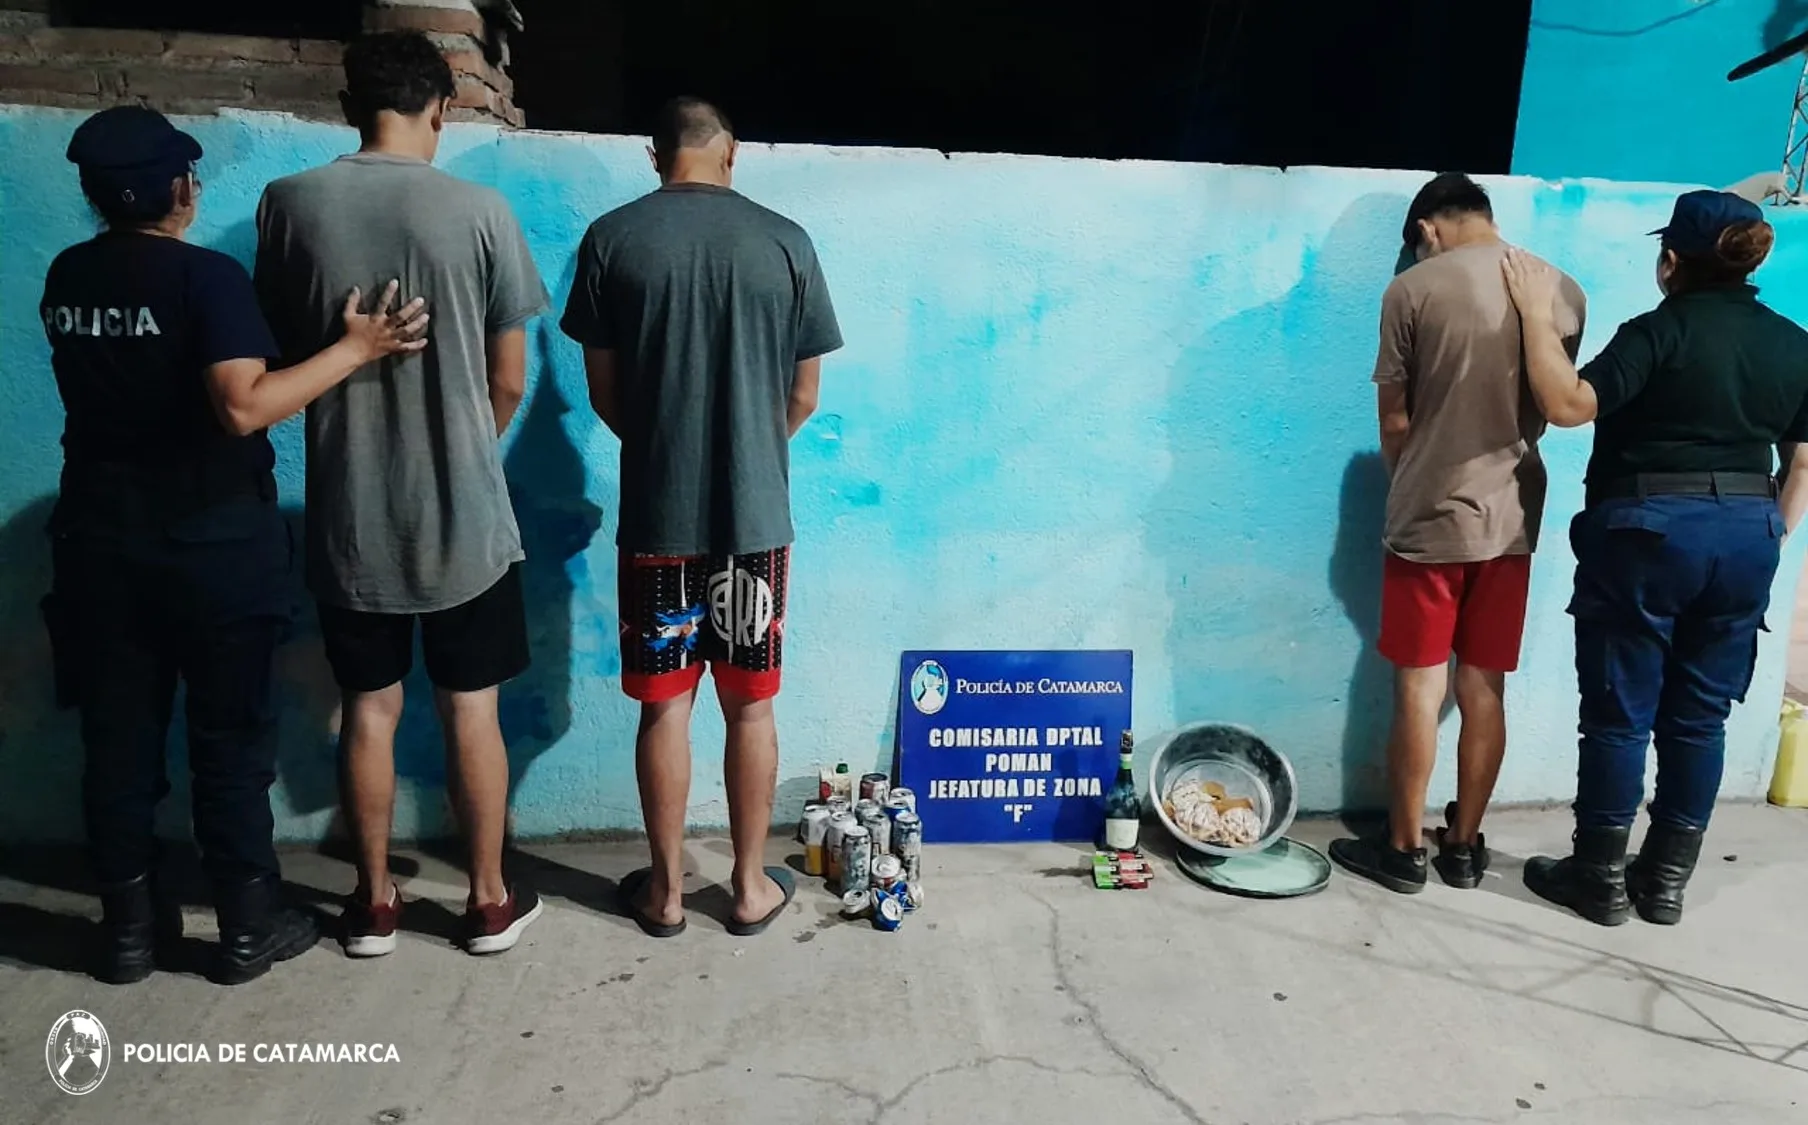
x=193, y=72
x=474, y=42
x=177, y=72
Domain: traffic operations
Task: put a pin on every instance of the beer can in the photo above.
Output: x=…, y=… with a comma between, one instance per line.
x=856, y=858
x=840, y=804
x=831, y=844
x=816, y=834
x=907, y=845
x=897, y=801
x=878, y=825
x=908, y=797
x=874, y=787
x=888, y=914
x=886, y=872
x=803, y=819
x=864, y=808
x=856, y=904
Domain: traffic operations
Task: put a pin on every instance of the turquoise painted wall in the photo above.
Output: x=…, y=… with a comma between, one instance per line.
x=1114, y=405
x=1637, y=90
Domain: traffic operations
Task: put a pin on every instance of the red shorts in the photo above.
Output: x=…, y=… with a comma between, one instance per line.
x=1475, y=610
x=678, y=614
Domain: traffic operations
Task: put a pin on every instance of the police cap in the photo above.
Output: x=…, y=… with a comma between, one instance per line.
x=1700, y=217
x=129, y=154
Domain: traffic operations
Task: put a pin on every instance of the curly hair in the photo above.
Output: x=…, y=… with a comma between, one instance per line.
x=399, y=71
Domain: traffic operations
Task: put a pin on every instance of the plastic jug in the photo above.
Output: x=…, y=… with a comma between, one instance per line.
x=1789, y=788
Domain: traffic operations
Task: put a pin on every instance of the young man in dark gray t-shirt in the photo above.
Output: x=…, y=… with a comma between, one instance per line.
x=704, y=317
x=408, y=516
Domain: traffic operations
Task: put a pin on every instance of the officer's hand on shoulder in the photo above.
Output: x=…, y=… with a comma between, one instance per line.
x=382, y=332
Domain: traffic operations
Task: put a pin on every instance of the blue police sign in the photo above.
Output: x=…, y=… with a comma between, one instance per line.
x=1011, y=746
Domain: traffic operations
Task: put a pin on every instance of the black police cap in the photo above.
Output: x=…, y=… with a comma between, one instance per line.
x=131, y=138
x=1701, y=217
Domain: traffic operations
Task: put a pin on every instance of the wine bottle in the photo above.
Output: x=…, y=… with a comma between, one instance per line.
x=1123, y=810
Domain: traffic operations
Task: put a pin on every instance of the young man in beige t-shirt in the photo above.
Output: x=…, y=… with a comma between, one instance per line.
x=1459, y=432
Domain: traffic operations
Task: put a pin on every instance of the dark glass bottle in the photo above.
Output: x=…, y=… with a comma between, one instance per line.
x=1123, y=810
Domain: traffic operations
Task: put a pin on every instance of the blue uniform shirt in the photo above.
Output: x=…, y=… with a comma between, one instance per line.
x=134, y=320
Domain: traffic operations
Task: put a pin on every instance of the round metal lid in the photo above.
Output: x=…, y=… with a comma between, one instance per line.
x=1284, y=869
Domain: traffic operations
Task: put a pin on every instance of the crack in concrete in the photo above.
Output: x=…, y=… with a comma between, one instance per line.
x=1398, y=1117
x=847, y=1088
x=647, y=1091
x=881, y=1106
x=1090, y=1010
x=1565, y=1111
x=885, y=1106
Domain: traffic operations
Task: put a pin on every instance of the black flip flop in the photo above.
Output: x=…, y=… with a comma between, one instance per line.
x=629, y=889
x=785, y=883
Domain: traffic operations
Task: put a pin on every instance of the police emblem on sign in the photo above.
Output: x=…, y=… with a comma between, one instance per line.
x=78, y=1052
x=929, y=687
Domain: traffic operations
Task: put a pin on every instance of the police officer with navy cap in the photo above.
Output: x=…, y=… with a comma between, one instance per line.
x=1678, y=543
x=171, y=560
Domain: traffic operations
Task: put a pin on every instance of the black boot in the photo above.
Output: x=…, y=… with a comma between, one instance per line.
x=139, y=928
x=257, y=929
x=128, y=932
x=1592, y=882
x=1655, y=880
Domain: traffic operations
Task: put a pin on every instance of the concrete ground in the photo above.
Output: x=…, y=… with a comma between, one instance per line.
x=1018, y=994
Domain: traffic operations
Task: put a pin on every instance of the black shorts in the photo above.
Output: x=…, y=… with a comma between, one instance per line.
x=470, y=647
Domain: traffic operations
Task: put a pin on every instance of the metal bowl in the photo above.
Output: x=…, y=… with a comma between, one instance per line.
x=1235, y=758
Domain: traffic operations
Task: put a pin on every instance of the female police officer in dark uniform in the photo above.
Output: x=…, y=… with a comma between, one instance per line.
x=170, y=556
x=1678, y=544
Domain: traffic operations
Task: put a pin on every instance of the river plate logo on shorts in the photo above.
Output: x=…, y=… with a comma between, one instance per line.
x=78, y=1052
x=929, y=687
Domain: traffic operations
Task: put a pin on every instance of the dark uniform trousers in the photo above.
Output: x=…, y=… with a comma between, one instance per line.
x=1671, y=593
x=160, y=577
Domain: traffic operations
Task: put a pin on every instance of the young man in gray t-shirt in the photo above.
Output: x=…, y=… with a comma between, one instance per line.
x=704, y=318
x=408, y=516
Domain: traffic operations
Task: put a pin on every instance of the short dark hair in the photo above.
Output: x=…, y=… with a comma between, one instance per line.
x=1449, y=194
x=399, y=71
x=687, y=122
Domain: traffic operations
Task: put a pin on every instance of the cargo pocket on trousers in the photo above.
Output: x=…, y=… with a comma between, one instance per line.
x=1751, y=663
x=1609, y=543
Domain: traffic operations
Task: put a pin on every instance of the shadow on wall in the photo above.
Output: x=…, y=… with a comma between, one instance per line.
x=1356, y=568
x=546, y=475
x=1355, y=577
x=1252, y=648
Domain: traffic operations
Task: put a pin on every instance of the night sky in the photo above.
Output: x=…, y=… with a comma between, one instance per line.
x=1426, y=84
